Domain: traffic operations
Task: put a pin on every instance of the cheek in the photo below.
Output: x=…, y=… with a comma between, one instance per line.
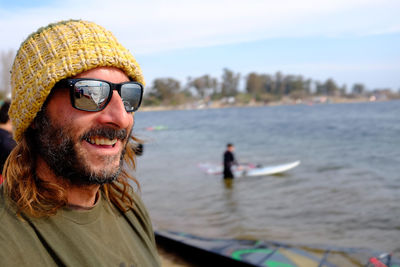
x=59, y=105
x=61, y=112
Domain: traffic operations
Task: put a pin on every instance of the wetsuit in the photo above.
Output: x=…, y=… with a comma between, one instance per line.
x=229, y=161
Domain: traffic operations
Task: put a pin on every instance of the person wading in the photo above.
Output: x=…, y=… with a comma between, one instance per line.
x=229, y=161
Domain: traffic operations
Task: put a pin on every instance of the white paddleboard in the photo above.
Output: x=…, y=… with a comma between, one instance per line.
x=249, y=170
x=268, y=170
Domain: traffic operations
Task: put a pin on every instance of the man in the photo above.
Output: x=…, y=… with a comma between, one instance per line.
x=229, y=161
x=7, y=143
x=66, y=199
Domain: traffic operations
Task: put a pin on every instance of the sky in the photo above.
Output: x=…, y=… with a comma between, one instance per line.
x=350, y=41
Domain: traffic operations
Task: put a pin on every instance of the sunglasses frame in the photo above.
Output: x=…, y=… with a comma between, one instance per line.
x=70, y=83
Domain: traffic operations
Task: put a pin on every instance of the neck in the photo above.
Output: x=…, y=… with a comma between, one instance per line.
x=82, y=196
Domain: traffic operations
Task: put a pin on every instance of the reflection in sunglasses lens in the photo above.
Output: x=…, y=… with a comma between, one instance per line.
x=131, y=94
x=94, y=95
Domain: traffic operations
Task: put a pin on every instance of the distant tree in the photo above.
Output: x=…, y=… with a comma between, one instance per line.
x=230, y=83
x=328, y=88
x=279, y=86
x=204, y=85
x=6, y=60
x=296, y=86
x=319, y=88
x=253, y=84
x=165, y=90
x=269, y=84
x=292, y=83
x=287, y=82
x=331, y=87
x=358, y=89
x=307, y=86
x=343, y=90
x=256, y=84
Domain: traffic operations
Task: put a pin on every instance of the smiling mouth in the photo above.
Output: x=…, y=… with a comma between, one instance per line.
x=101, y=141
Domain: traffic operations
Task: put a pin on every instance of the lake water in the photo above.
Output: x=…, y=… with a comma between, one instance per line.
x=346, y=192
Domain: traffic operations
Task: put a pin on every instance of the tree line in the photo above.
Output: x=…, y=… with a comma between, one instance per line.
x=256, y=87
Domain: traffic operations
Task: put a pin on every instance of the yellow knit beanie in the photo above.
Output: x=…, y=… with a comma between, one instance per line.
x=58, y=51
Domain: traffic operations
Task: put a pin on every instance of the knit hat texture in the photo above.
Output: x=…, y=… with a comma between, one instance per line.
x=58, y=51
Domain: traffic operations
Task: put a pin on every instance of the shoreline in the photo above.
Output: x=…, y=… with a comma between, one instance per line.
x=283, y=102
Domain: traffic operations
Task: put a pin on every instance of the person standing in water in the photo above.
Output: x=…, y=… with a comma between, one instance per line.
x=229, y=161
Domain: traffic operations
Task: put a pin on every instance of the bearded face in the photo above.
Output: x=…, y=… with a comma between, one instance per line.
x=60, y=147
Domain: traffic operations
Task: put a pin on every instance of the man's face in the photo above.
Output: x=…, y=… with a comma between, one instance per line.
x=85, y=147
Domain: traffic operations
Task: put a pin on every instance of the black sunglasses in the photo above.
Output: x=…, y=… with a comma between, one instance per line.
x=94, y=94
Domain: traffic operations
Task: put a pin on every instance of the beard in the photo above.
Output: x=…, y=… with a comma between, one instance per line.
x=57, y=147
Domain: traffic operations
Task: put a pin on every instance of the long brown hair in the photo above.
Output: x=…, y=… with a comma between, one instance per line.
x=38, y=198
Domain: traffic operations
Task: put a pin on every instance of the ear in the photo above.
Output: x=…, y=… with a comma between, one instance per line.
x=41, y=113
x=34, y=124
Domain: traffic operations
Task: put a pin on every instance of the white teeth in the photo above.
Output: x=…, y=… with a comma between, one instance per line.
x=102, y=141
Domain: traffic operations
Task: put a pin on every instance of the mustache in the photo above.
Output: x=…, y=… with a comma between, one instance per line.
x=106, y=132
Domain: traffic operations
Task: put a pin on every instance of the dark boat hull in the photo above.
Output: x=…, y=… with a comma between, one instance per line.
x=239, y=252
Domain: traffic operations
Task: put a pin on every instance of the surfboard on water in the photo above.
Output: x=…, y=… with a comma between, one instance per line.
x=244, y=170
x=242, y=252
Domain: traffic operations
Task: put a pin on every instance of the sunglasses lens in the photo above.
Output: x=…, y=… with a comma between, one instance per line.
x=94, y=95
x=91, y=95
x=131, y=94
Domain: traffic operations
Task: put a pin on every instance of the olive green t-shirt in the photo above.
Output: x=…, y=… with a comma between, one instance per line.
x=99, y=236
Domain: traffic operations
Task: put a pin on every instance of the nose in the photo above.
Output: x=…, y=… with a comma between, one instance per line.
x=115, y=114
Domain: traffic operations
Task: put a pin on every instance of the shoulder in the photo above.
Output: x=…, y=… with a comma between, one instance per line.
x=6, y=140
x=12, y=228
x=138, y=215
x=4, y=207
x=10, y=222
x=140, y=212
x=4, y=134
x=139, y=219
x=20, y=244
x=8, y=215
